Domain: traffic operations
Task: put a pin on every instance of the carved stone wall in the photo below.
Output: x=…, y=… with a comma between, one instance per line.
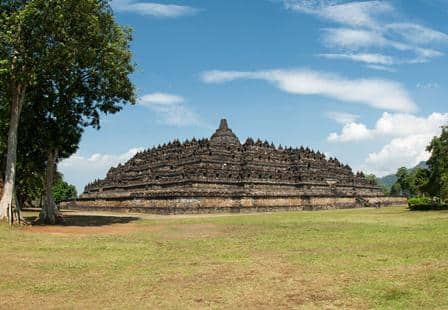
x=231, y=205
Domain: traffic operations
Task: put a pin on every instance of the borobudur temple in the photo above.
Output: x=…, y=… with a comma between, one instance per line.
x=222, y=175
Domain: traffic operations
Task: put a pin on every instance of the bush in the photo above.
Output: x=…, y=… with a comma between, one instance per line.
x=420, y=201
x=63, y=191
x=426, y=203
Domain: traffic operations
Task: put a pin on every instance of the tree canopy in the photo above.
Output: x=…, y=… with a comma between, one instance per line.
x=438, y=165
x=411, y=182
x=63, y=191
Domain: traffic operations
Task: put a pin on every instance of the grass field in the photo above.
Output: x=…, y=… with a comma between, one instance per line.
x=387, y=258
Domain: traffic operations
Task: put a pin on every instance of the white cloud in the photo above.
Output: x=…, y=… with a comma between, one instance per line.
x=424, y=55
x=392, y=125
x=80, y=170
x=351, y=13
x=153, y=9
x=350, y=132
x=161, y=99
x=381, y=68
x=356, y=39
x=363, y=57
x=372, y=25
x=418, y=34
x=406, y=124
x=217, y=76
x=170, y=109
x=404, y=151
x=342, y=117
x=380, y=94
x=353, y=39
x=409, y=136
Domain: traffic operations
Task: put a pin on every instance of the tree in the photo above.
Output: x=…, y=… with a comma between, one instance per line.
x=30, y=158
x=438, y=165
x=63, y=191
x=71, y=60
x=96, y=83
x=420, y=181
x=403, y=179
x=21, y=54
x=411, y=182
x=395, y=189
x=58, y=137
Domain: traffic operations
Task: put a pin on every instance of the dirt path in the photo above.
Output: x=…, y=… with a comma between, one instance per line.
x=148, y=216
x=99, y=222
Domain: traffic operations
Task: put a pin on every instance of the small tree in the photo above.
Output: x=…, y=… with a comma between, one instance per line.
x=413, y=182
x=421, y=181
x=63, y=191
x=403, y=179
x=395, y=189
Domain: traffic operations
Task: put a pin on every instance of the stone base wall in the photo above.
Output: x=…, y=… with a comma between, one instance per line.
x=229, y=205
x=196, y=189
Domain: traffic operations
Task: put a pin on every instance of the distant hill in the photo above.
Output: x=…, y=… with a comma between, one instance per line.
x=389, y=180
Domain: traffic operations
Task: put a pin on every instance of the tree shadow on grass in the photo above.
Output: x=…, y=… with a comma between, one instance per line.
x=90, y=220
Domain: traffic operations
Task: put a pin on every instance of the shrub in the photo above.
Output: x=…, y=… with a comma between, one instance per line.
x=426, y=203
x=420, y=201
x=63, y=191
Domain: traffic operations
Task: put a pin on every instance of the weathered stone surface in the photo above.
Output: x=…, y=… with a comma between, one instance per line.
x=222, y=175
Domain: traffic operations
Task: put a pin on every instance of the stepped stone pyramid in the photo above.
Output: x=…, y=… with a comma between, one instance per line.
x=221, y=174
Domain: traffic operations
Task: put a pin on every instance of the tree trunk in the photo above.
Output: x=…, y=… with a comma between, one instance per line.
x=18, y=96
x=18, y=210
x=49, y=213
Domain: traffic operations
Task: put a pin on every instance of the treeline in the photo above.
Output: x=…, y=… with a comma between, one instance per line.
x=64, y=64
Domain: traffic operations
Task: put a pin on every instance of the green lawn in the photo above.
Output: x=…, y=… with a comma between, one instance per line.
x=387, y=258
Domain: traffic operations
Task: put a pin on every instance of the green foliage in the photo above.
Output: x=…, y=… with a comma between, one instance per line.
x=426, y=182
x=395, y=190
x=389, y=180
x=403, y=178
x=75, y=62
x=63, y=191
x=420, y=180
x=438, y=164
x=419, y=201
x=411, y=183
x=89, y=75
x=30, y=165
x=426, y=203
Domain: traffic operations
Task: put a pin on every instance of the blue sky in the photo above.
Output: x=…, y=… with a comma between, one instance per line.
x=363, y=81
